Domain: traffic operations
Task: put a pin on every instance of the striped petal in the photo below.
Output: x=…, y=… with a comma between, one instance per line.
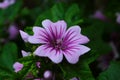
x=55, y=30
x=73, y=52
x=73, y=36
x=40, y=36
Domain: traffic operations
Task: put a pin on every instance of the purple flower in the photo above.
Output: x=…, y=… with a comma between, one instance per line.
x=57, y=41
x=74, y=78
x=24, y=36
x=24, y=53
x=38, y=64
x=17, y=66
x=37, y=79
x=13, y=31
x=47, y=74
x=99, y=15
x=118, y=18
x=6, y=3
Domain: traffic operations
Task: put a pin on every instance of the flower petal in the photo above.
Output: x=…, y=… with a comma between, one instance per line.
x=42, y=51
x=55, y=30
x=40, y=36
x=38, y=64
x=75, y=28
x=24, y=53
x=45, y=51
x=17, y=66
x=56, y=56
x=71, y=57
x=74, y=78
x=24, y=35
x=83, y=49
x=73, y=36
x=34, y=40
x=83, y=39
x=4, y=4
x=73, y=52
x=46, y=23
x=60, y=28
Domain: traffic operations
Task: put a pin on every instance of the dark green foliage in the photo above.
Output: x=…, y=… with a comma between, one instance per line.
x=58, y=12
x=112, y=73
x=7, y=58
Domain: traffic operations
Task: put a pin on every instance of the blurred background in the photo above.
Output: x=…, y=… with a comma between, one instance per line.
x=99, y=20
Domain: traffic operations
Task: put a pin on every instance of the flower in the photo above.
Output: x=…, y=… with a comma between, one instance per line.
x=38, y=64
x=24, y=35
x=74, y=78
x=13, y=31
x=99, y=15
x=6, y=3
x=47, y=74
x=17, y=66
x=37, y=79
x=56, y=41
x=24, y=53
x=118, y=18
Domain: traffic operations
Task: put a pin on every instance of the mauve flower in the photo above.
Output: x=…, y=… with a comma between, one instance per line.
x=38, y=64
x=24, y=35
x=17, y=66
x=37, y=79
x=11, y=1
x=47, y=74
x=74, y=78
x=56, y=41
x=24, y=53
x=13, y=31
x=99, y=15
x=118, y=18
x=6, y=3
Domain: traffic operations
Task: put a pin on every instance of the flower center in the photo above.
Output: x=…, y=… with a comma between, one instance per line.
x=58, y=44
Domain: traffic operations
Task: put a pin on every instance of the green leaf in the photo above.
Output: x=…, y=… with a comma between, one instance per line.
x=29, y=63
x=72, y=15
x=4, y=72
x=97, y=44
x=80, y=70
x=112, y=73
x=59, y=12
x=7, y=58
x=26, y=69
x=8, y=55
x=43, y=16
x=55, y=13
